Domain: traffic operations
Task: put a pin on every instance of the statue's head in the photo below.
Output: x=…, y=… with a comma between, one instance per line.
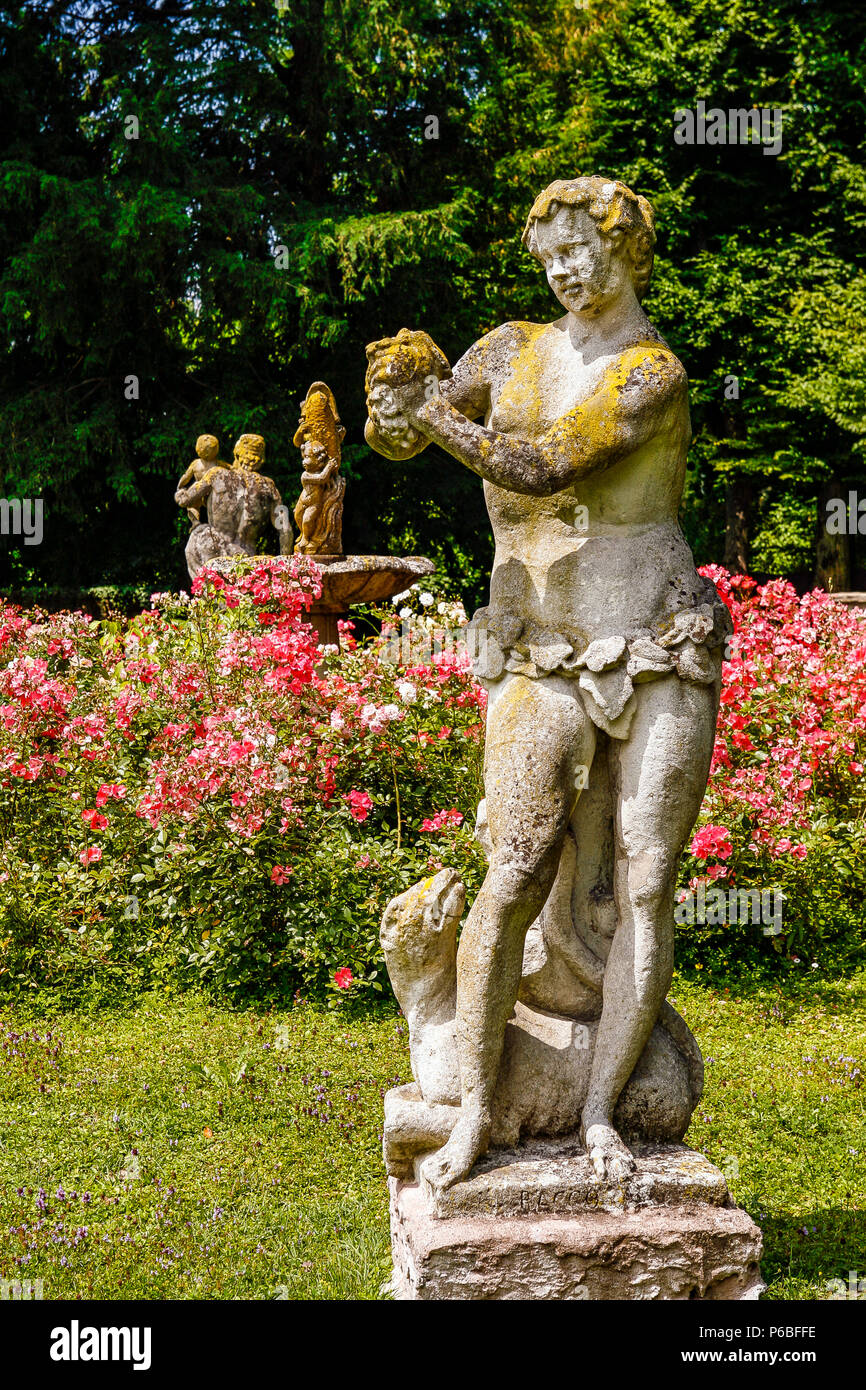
x=207, y=448
x=315, y=455
x=250, y=452
x=595, y=239
x=419, y=935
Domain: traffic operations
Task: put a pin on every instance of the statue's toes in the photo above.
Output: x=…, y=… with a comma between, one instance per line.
x=610, y=1159
x=596, y=1158
x=621, y=1168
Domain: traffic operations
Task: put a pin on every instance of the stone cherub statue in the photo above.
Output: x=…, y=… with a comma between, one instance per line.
x=207, y=449
x=240, y=503
x=319, y=509
x=601, y=651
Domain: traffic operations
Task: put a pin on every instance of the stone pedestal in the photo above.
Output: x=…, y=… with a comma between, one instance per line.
x=536, y=1223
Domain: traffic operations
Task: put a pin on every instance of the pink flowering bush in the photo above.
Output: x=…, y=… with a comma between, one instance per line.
x=784, y=810
x=186, y=796
x=186, y=793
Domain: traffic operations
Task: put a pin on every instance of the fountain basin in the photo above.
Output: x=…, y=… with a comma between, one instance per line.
x=346, y=580
x=350, y=579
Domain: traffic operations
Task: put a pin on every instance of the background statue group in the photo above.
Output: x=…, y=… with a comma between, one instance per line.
x=241, y=501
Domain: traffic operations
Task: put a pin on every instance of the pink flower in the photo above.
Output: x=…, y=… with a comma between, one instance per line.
x=94, y=820
x=712, y=840
x=110, y=790
x=343, y=978
x=443, y=819
x=281, y=873
x=359, y=805
x=90, y=856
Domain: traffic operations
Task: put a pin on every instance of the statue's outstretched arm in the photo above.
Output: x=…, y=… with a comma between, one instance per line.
x=630, y=405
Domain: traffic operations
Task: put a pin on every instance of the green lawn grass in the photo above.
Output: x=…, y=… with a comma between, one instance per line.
x=178, y=1150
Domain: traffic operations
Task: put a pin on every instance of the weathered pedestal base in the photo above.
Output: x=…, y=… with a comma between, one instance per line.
x=536, y=1223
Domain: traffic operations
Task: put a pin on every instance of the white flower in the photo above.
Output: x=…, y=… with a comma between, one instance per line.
x=405, y=613
x=337, y=720
x=442, y=607
x=391, y=712
x=425, y=598
x=407, y=692
x=398, y=598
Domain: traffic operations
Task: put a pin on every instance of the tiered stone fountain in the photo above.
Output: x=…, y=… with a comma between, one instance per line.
x=241, y=502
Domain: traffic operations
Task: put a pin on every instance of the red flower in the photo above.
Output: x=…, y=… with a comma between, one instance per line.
x=343, y=978
x=110, y=790
x=712, y=840
x=281, y=873
x=359, y=805
x=94, y=820
x=91, y=855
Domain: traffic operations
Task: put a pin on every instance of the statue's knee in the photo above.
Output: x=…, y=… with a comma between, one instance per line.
x=649, y=876
x=516, y=877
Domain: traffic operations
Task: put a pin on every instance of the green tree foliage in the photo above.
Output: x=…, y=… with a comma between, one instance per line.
x=761, y=257
x=226, y=199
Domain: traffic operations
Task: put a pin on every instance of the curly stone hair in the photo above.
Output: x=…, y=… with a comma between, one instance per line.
x=613, y=207
x=249, y=452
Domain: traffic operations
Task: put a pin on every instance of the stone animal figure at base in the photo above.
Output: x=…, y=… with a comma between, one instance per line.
x=547, y=1058
x=600, y=641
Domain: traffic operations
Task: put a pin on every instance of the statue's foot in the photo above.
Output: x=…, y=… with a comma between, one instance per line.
x=453, y=1161
x=612, y=1160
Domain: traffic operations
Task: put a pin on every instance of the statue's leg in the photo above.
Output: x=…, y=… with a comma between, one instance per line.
x=538, y=734
x=659, y=775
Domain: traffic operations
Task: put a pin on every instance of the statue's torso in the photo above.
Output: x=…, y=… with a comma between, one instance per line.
x=606, y=555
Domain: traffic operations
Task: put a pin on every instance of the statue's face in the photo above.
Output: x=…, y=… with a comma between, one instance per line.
x=245, y=458
x=585, y=269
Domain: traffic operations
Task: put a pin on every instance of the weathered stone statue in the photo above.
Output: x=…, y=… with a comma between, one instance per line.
x=601, y=651
x=240, y=503
x=207, y=448
x=319, y=509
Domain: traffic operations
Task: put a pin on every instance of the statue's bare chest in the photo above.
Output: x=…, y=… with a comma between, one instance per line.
x=542, y=382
